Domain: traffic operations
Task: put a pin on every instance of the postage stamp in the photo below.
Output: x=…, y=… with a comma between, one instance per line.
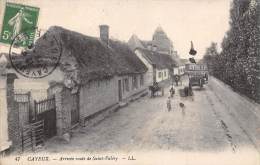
x=18, y=18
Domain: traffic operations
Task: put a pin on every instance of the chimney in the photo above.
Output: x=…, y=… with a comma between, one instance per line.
x=104, y=33
x=154, y=48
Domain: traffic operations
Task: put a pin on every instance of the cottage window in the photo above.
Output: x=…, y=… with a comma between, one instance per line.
x=123, y=84
x=141, y=80
x=164, y=73
x=134, y=82
x=160, y=74
x=126, y=82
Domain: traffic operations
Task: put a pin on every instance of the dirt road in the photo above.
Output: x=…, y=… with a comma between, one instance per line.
x=215, y=120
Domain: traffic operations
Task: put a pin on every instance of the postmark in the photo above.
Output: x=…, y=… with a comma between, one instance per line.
x=38, y=59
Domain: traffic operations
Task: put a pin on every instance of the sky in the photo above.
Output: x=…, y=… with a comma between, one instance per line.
x=201, y=21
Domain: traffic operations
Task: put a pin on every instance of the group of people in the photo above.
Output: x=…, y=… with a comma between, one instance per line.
x=169, y=106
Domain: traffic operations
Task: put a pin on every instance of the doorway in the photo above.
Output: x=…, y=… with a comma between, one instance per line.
x=120, y=90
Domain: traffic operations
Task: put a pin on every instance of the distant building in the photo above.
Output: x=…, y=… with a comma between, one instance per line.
x=160, y=40
x=160, y=66
x=160, y=45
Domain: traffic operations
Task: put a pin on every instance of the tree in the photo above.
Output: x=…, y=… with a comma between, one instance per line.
x=238, y=63
x=210, y=57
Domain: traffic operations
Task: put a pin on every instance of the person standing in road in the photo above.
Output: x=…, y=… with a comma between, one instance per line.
x=182, y=109
x=177, y=79
x=172, y=91
x=169, y=106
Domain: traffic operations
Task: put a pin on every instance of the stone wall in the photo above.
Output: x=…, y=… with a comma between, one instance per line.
x=13, y=114
x=56, y=91
x=64, y=104
x=67, y=105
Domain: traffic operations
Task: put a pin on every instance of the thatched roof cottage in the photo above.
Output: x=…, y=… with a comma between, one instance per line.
x=93, y=76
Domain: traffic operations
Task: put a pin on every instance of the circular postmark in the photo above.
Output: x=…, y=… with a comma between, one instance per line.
x=35, y=60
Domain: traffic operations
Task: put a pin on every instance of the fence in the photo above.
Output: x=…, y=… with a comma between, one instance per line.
x=46, y=110
x=32, y=136
x=37, y=119
x=36, y=94
x=22, y=101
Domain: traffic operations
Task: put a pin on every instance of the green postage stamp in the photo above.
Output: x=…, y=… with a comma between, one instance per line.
x=19, y=18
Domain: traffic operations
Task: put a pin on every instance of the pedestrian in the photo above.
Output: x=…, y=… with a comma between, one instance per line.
x=169, y=106
x=177, y=79
x=182, y=109
x=172, y=91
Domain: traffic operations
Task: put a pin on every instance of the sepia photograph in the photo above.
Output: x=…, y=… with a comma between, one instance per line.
x=130, y=82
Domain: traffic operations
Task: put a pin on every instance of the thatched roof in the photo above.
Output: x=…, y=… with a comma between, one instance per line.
x=93, y=59
x=126, y=59
x=162, y=61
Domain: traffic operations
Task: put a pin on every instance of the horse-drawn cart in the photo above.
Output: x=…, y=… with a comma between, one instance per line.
x=156, y=90
x=198, y=75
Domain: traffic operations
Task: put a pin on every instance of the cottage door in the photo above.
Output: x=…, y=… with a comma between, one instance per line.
x=120, y=90
x=75, y=109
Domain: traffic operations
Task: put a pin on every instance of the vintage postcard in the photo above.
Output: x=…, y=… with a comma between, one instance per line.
x=130, y=82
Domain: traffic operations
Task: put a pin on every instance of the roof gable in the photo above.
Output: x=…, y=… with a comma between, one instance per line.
x=134, y=42
x=162, y=61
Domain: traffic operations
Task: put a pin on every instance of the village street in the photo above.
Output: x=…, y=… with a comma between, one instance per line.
x=215, y=119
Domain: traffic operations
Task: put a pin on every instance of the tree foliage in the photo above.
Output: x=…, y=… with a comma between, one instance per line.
x=209, y=57
x=238, y=63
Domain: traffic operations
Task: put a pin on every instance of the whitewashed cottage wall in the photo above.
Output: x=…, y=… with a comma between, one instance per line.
x=97, y=95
